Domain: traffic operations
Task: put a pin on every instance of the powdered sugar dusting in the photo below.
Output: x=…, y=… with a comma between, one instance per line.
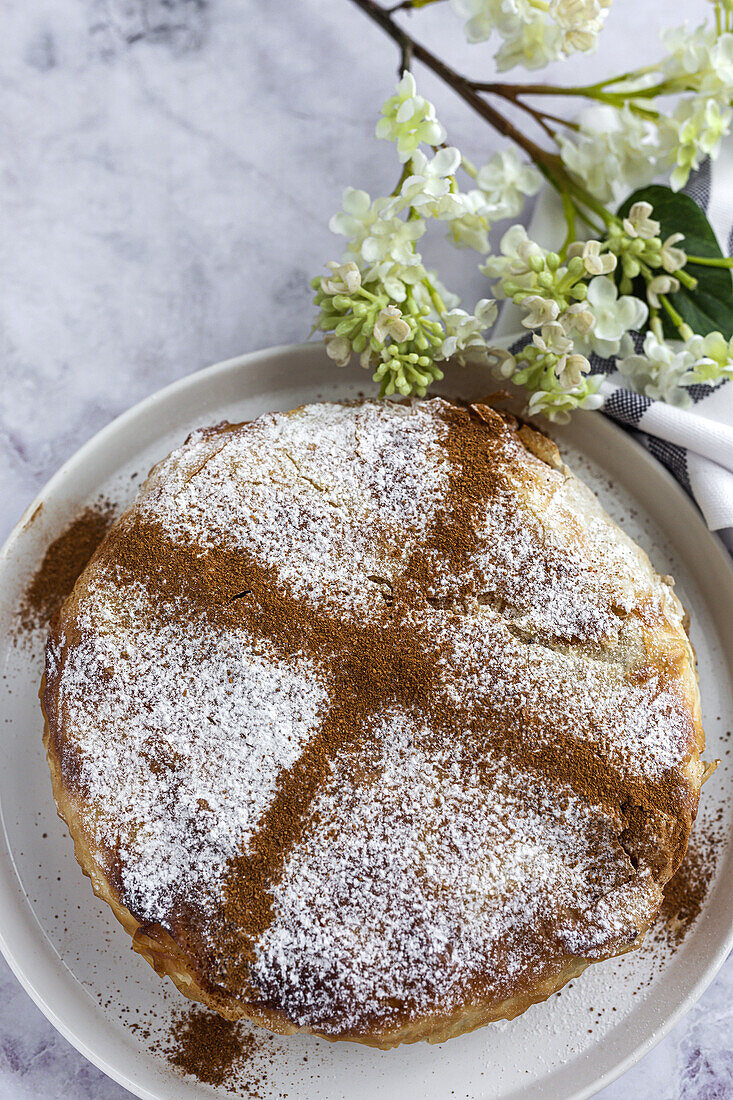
x=331, y=494
x=430, y=885
x=180, y=735
x=434, y=868
x=642, y=728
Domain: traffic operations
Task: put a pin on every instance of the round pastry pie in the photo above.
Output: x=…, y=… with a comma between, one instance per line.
x=368, y=721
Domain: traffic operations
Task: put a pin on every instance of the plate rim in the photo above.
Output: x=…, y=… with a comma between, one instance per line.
x=127, y=418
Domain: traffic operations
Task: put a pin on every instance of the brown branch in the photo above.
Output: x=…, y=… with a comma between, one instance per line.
x=511, y=91
x=411, y=5
x=466, y=89
x=549, y=164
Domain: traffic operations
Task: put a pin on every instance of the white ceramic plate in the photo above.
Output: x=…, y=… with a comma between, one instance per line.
x=76, y=962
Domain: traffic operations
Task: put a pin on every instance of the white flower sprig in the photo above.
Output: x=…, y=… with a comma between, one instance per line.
x=534, y=33
x=582, y=301
x=625, y=141
x=577, y=311
x=620, y=142
x=380, y=302
x=665, y=372
x=409, y=120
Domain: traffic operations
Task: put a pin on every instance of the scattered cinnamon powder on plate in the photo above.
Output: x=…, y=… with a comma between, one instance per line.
x=215, y=1051
x=686, y=893
x=62, y=564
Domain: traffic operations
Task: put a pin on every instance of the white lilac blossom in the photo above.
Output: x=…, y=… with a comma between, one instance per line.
x=501, y=188
x=469, y=225
x=505, y=182
x=556, y=376
x=699, y=61
x=380, y=243
x=595, y=260
x=518, y=254
x=660, y=285
x=376, y=239
x=533, y=32
x=486, y=16
x=637, y=250
x=390, y=322
x=539, y=311
x=465, y=330
x=639, y=223
x=570, y=372
x=662, y=372
x=553, y=340
x=409, y=120
x=665, y=371
x=695, y=131
x=713, y=358
x=539, y=274
x=613, y=151
x=402, y=342
x=614, y=316
x=557, y=405
x=673, y=259
x=578, y=320
x=338, y=348
x=356, y=215
x=429, y=182
x=379, y=302
x=389, y=238
x=688, y=51
x=536, y=43
x=345, y=278
x=580, y=21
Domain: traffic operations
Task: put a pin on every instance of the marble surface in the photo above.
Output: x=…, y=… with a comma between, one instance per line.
x=167, y=171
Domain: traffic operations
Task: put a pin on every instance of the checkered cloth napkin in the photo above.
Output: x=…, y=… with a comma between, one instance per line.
x=695, y=444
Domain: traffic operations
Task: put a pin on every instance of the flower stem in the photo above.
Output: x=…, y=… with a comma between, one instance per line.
x=549, y=163
x=469, y=167
x=711, y=261
x=655, y=324
x=588, y=200
x=597, y=92
x=367, y=294
x=435, y=297
x=677, y=320
x=404, y=174
x=686, y=279
x=632, y=74
x=569, y=212
x=544, y=117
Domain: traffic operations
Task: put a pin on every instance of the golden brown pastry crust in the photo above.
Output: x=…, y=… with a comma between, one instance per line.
x=655, y=645
x=160, y=950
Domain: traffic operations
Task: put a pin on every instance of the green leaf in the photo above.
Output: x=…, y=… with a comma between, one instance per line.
x=709, y=307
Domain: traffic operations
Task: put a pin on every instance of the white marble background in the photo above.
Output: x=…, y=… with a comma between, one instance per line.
x=167, y=171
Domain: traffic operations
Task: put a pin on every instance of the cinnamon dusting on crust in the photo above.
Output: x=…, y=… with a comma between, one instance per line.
x=443, y=645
